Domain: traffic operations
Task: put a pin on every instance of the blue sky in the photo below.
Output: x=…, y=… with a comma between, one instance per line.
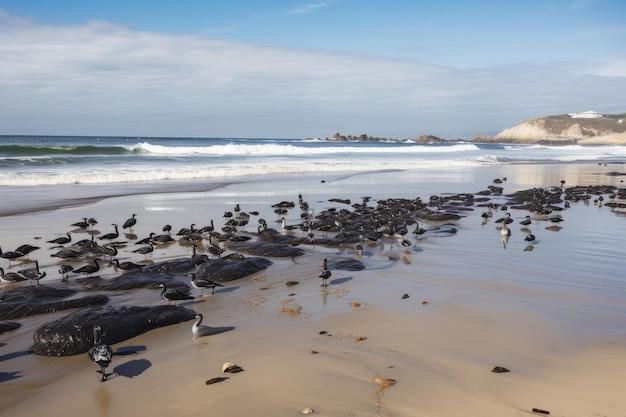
x=294, y=69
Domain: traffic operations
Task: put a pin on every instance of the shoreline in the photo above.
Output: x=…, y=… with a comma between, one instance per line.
x=551, y=315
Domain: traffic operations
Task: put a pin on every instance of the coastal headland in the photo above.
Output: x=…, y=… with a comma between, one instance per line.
x=562, y=129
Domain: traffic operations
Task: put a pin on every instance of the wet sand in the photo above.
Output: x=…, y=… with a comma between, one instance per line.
x=435, y=318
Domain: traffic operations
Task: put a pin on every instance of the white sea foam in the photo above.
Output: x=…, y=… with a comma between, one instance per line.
x=279, y=149
x=220, y=171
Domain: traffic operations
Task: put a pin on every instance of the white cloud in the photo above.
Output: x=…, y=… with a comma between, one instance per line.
x=308, y=8
x=105, y=79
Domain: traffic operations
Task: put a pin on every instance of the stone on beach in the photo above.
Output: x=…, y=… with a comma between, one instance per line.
x=72, y=335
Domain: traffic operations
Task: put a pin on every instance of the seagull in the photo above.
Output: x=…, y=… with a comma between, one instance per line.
x=128, y=224
x=325, y=274
x=62, y=240
x=89, y=268
x=100, y=353
x=199, y=330
x=203, y=283
x=65, y=270
x=171, y=294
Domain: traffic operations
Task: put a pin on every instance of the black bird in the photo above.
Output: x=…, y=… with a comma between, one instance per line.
x=65, y=270
x=171, y=294
x=203, y=283
x=11, y=276
x=10, y=255
x=26, y=249
x=526, y=221
x=529, y=237
x=325, y=274
x=81, y=224
x=33, y=274
x=66, y=254
x=88, y=269
x=125, y=266
x=128, y=224
x=112, y=235
x=167, y=228
x=145, y=250
x=506, y=219
x=62, y=240
x=100, y=353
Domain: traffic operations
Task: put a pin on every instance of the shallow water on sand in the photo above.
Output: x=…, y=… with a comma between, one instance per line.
x=571, y=277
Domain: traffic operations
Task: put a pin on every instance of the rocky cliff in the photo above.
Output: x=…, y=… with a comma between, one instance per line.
x=563, y=129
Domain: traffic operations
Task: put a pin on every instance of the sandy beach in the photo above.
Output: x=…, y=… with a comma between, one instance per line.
x=416, y=333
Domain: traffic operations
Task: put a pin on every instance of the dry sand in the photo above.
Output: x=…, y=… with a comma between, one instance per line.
x=357, y=347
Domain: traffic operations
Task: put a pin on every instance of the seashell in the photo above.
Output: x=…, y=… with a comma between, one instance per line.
x=308, y=411
x=405, y=296
x=500, y=370
x=231, y=368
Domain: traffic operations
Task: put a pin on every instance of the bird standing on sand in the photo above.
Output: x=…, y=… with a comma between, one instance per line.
x=11, y=276
x=145, y=250
x=100, y=353
x=125, y=266
x=33, y=274
x=112, y=235
x=171, y=294
x=61, y=240
x=65, y=270
x=198, y=329
x=203, y=283
x=325, y=274
x=89, y=268
x=10, y=255
x=128, y=224
x=526, y=221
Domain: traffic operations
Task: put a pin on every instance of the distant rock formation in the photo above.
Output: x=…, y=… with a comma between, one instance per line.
x=564, y=130
x=365, y=138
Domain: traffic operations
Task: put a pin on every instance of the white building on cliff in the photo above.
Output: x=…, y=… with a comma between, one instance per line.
x=585, y=115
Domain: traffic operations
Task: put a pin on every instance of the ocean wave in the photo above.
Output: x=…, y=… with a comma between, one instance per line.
x=191, y=172
x=281, y=149
x=44, y=151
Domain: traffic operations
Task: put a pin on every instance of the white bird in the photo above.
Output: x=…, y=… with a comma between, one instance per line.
x=199, y=330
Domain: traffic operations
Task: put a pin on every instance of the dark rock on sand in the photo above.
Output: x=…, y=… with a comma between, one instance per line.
x=73, y=334
x=346, y=264
x=30, y=301
x=135, y=279
x=220, y=270
x=8, y=326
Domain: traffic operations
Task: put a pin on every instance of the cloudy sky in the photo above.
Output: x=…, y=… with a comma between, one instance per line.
x=292, y=69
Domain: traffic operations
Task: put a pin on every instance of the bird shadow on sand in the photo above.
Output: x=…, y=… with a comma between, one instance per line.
x=132, y=368
x=129, y=350
x=227, y=289
x=14, y=355
x=9, y=376
x=340, y=280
